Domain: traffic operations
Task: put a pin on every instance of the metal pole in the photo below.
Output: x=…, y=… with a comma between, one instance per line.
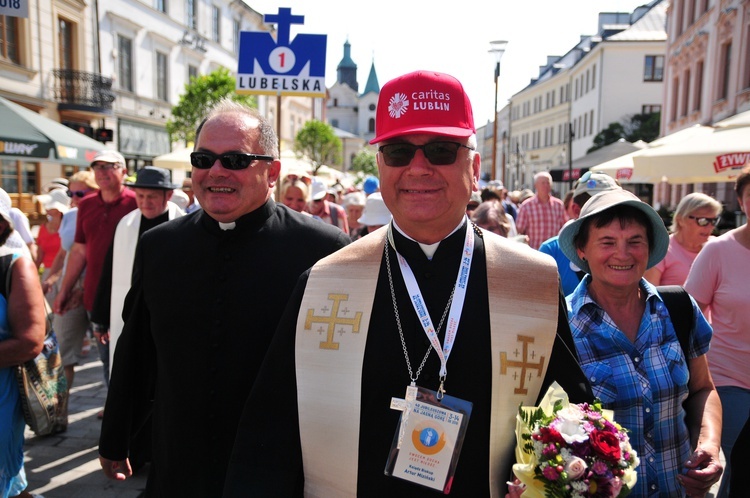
x=494, y=127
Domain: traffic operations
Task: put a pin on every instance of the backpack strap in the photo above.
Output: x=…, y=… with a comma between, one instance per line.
x=680, y=309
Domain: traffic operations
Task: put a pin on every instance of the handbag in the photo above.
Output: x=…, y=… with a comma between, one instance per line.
x=42, y=383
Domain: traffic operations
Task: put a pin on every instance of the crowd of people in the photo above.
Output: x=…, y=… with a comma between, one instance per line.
x=284, y=337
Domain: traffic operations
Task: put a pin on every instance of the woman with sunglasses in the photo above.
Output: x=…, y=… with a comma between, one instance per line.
x=718, y=280
x=693, y=223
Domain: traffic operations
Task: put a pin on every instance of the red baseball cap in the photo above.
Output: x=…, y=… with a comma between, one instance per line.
x=423, y=102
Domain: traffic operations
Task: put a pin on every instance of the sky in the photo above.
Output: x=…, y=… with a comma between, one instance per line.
x=452, y=37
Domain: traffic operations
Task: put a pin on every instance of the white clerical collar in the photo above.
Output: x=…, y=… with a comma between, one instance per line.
x=429, y=249
x=227, y=226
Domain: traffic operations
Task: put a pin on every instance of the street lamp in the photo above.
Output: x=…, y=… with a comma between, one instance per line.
x=497, y=47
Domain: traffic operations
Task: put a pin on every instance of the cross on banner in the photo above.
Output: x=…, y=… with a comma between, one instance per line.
x=523, y=365
x=333, y=320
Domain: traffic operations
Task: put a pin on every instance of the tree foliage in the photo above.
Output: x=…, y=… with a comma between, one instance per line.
x=365, y=163
x=319, y=144
x=200, y=95
x=636, y=127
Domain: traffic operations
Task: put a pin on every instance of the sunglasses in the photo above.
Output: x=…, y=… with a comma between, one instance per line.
x=438, y=153
x=230, y=160
x=704, y=221
x=77, y=193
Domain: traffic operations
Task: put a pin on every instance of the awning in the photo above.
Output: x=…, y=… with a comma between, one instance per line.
x=26, y=135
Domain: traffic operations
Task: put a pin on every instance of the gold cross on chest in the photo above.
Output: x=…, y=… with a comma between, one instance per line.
x=333, y=320
x=523, y=365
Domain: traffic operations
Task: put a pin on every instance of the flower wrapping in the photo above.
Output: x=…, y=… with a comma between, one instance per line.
x=566, y=450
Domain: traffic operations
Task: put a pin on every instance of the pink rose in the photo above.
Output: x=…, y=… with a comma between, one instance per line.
x=614, y=490
x=575, y=468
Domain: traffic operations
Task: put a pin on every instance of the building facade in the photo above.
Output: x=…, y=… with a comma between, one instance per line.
x=707, y=77
x=607, y=77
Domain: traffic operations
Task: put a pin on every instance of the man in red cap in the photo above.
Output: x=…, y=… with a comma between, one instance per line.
x=414, y=345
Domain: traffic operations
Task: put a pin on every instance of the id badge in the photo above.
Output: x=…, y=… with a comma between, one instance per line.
x=433, y=433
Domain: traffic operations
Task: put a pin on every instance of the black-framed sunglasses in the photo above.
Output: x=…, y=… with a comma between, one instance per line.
x=438, y=153
x=77, y=193
x=230, y=160
x=704, y=221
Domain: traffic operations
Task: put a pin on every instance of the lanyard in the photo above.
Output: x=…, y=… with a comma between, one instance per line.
x=456, y=302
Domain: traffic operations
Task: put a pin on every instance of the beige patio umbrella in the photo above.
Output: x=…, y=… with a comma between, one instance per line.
x=714, y=157
x=177, y=159
x=624, y=168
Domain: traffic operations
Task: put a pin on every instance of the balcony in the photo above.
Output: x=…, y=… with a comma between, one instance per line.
x=81, y=91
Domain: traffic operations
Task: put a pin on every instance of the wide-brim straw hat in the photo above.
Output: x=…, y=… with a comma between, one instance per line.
x=608, y=200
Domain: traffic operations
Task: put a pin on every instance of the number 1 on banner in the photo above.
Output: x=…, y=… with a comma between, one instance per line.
x=282, y=59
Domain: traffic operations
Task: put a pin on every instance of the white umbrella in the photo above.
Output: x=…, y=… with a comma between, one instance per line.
x=714, y=157
x=177, y=159
x=625, y=168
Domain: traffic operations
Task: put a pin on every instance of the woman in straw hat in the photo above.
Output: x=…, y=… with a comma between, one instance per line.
x=630, y=352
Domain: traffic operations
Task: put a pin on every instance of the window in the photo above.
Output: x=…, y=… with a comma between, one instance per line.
x=593, y=76
x=690, y=17
x=585, y=124
x=161, y=6
x=335, y=123
x=125, y=62
x=678, y=8
x=724, y=66
x=654, y=68
x=216, y=24
x=192, y=72
x=236, y=28
x=65, y=43
x=697, y=96
x=191, y=8
x=685, y=93
x=650, y=109
x=18, y=176
x=9, y=39
x=591, y=122
x=673, y=103
x=371, y=125
x=746, y=72
x=162, y=76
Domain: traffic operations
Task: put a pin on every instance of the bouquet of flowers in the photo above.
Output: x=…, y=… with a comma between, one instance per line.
x=567, y=450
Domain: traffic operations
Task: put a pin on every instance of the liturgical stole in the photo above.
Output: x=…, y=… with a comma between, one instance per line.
x=332, y=328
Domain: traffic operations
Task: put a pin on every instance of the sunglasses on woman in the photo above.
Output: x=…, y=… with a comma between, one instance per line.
x=438, y=153
x=77, y=193
x=704, y=221
x=230, y=160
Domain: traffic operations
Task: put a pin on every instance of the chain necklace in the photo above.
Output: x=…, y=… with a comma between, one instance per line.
x=412, y=376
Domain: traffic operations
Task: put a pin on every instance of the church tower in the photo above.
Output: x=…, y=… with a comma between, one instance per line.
x=346, y=71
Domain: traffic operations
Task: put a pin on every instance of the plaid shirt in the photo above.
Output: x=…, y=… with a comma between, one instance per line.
x=540, y=220
x=645, y=382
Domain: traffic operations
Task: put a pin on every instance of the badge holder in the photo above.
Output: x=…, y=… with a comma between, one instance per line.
x=428, y=440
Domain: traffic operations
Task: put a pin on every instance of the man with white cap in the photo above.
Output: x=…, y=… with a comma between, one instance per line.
x=98, y=216
x=329, y=212
x=429, y=304
x=589, y=184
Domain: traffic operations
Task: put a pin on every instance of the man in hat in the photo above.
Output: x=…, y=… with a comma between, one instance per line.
x=98, y=216
x=153, y=189
x=329, y=212
x=589, y=184
x=407, y=309
x=207, y=293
